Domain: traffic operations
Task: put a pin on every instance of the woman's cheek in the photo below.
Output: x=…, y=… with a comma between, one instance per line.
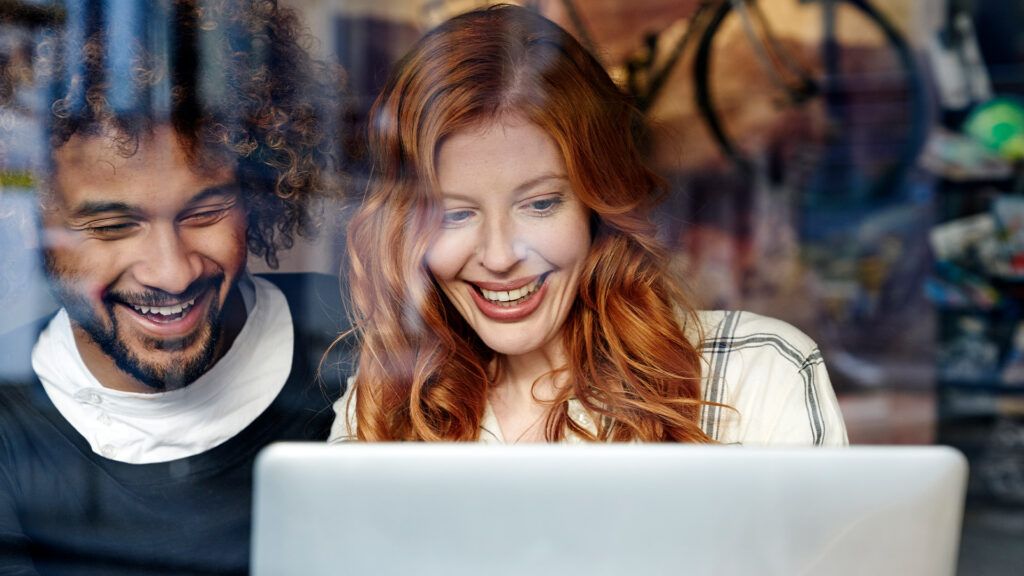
x=449, y=254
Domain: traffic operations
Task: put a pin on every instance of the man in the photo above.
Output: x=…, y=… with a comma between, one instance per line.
x=175, y=150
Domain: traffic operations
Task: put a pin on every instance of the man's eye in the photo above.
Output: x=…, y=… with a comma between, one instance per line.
x=456, y=217
x=112, y=231
x=206, y=217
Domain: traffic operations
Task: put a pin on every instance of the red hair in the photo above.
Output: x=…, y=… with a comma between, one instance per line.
x=423, y=372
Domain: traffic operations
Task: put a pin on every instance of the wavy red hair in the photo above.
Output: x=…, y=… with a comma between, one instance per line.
x=423, y=373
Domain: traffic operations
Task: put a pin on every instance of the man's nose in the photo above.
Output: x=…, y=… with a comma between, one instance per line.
x=166, y=261
x=501, y=248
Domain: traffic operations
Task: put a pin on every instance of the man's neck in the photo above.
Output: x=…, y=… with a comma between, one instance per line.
x=234, y=318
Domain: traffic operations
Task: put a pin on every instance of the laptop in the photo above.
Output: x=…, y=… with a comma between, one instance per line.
x=652, y=509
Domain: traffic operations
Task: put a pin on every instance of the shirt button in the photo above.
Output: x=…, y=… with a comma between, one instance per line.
x=82, y=396
x=89, y=397
x=104, y=419
x=108, y=451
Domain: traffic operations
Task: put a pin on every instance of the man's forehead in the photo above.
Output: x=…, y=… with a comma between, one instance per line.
x=112, y=150
x=111, y=165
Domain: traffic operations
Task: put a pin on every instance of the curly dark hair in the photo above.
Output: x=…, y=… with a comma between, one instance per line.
x=235, y=80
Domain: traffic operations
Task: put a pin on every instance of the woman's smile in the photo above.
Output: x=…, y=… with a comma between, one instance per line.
x=509, y=304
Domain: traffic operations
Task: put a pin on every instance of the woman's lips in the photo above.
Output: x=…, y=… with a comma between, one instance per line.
x=504, y=286
x=504, y=311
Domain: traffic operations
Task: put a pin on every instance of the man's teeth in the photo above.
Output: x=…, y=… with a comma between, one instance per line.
x=511, y=295
x=165, y=310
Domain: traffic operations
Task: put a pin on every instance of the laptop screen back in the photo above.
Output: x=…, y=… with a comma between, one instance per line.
x=379, y=509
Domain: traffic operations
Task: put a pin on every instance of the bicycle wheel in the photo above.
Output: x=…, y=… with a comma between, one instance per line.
x=825, y=92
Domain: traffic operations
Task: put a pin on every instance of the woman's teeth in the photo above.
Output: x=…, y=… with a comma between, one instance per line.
x=165, y=310
x=510, y=297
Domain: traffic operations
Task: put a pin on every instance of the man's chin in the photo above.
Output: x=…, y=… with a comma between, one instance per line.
x=163, y=365
x=159, y=355
x=171, y=372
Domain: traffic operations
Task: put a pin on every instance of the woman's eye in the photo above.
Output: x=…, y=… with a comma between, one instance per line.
x=545, y=205
x=456, y=217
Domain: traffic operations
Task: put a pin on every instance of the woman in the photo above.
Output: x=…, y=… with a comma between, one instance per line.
x=506, y=280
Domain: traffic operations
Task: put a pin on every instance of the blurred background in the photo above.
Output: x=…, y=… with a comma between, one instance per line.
x=854, y=168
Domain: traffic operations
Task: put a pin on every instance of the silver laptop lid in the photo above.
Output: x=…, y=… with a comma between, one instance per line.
x=380, y=509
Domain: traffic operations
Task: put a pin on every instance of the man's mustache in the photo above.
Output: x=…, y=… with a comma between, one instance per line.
x=156, y=297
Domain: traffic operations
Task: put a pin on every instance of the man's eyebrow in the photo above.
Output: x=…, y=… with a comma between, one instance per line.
x=229, y=189
x=87, y=209
x=95, y=208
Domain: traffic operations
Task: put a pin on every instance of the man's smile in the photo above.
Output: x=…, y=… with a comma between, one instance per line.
x=162, y=316
x=164, y=313
x=168, y=321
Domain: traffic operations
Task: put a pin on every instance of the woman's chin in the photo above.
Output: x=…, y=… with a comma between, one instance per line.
x=513, y=351
x=520, y=345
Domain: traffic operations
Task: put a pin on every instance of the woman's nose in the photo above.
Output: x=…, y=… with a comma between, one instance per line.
x=501, y=248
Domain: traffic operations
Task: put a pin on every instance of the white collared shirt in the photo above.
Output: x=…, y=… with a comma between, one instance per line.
x=143, y=428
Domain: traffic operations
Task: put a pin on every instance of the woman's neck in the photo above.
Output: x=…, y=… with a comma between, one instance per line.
x=522, y=394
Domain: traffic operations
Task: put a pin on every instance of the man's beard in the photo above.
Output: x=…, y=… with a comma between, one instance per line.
x=171, y=375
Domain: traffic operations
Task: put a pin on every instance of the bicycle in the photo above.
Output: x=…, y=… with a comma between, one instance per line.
x=840, y=148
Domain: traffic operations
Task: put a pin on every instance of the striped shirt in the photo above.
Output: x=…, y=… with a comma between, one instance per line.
x=772, y=376
x=766, y=378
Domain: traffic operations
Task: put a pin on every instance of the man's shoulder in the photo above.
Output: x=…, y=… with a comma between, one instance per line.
x=322, y=335
x=297, y=282
x=22, y=399
x=315, y=300
x=16, y=351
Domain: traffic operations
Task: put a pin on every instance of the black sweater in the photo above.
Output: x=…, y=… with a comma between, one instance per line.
x=65, y=510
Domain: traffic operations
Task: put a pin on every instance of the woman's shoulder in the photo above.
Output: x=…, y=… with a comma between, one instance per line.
x=727, y=330
x=344, y=427
x=772, y=377
x=749, y=355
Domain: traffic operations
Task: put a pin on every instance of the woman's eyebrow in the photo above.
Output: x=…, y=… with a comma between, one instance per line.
x=519, y=189
x=533, y=182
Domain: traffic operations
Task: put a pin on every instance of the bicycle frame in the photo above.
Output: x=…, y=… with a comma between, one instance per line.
x=648, y=71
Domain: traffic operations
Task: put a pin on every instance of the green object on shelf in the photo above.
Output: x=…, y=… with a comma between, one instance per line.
x=17, y=179
x=999, y=125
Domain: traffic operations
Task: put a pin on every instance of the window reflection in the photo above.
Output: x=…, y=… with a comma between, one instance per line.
x=857, y=270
